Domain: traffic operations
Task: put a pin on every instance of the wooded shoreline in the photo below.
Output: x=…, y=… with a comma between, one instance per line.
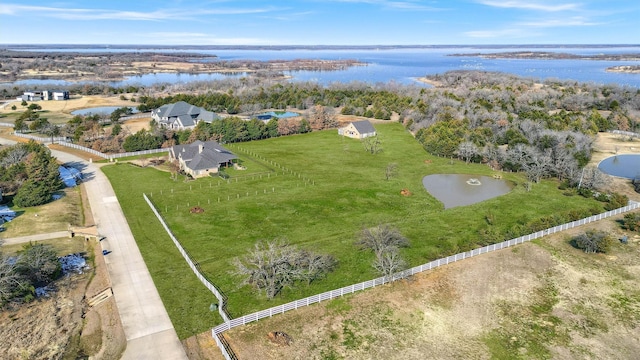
x=113, y=66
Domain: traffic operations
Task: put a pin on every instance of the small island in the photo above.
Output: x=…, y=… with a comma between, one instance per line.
x=627, y=69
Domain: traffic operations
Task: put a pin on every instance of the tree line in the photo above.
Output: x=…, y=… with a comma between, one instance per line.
x=544, y=128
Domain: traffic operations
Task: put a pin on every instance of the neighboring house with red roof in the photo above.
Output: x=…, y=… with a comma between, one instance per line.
x=201, y=158
x=182, y=115
x=358, y=130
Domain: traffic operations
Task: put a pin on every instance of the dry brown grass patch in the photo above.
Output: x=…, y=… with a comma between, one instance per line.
x=52, y=217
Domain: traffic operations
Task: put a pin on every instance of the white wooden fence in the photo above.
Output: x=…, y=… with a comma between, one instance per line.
x=41, y=139
x=82, y=148
x=6, y=124
x=137, y=153
x=63, y=141
x=227, y=352
x=222, y=299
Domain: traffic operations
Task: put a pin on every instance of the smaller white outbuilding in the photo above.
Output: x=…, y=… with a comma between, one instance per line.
x=358, y=130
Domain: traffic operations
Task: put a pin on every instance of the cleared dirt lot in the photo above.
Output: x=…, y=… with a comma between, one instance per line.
x=75, y=103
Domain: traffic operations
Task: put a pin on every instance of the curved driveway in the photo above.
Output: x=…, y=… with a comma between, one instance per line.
x=147, y=327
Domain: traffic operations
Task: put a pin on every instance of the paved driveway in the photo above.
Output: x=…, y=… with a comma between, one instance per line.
x=149, y=332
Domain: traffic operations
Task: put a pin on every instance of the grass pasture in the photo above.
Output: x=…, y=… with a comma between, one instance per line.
x=317, y=190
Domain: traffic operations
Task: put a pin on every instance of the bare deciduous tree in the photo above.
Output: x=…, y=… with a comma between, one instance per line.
x=385, y=241
x=390, y=171
x=389, y=262
x=14, y=156
x=538, y=166
x=467, y=150
x=273, y=265
x=372, y=144
x=382, y=237
x=10, y=280
x=322, y=117
x=591, y=178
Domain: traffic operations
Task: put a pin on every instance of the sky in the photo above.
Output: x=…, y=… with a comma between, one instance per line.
x=320, y=22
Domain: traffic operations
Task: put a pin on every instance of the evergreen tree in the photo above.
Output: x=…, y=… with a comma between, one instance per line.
x=43, y=178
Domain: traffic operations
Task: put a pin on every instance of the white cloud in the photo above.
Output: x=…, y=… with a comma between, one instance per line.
x=568, y=22
x=102, y=14
x=529, y=5
x=395, y=5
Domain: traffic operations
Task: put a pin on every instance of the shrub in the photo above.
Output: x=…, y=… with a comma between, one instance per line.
x=636, y=184
x=616, y=201
x=593, y=241
x=631, y=222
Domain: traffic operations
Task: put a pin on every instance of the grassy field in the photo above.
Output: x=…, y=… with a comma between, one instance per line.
x=318, y=191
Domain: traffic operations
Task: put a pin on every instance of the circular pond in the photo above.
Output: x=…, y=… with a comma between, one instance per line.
x=461, y=189
x=100, y=110
x=625, y=166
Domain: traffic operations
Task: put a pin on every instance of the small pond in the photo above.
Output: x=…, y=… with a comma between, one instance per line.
x=100, y=110
x=276, y=114
x=463, y=189
x=625, y=166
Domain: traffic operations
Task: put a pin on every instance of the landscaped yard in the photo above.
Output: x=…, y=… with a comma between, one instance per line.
x=329, y=190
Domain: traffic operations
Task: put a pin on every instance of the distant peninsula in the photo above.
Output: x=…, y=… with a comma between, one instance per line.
x=548, y=55
x=542, y=55
x=102, y=65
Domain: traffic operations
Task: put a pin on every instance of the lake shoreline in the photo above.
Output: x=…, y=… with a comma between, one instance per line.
x=119, y=66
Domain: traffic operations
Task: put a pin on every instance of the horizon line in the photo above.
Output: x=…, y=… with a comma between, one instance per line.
x=315, y=46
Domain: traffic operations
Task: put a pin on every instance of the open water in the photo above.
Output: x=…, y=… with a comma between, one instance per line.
x=403, y=65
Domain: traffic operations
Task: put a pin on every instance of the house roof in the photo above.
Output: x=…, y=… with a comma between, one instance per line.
x=207, y=116
x=364, y=126
x=203, y=155
x=177, y=109
x=185, y=120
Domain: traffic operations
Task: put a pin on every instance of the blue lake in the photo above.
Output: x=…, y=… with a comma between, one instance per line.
x=404, y=65
x=626, y=166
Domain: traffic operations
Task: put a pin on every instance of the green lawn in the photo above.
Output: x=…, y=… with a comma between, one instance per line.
x=330, y=190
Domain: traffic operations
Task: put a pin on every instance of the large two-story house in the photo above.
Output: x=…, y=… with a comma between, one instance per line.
x=182, y=115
